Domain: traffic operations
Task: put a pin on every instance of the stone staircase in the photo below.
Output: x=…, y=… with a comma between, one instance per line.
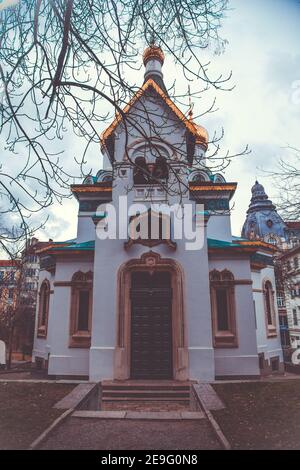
x=149, y=395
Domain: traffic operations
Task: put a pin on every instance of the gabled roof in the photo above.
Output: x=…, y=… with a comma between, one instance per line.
x=198, y=131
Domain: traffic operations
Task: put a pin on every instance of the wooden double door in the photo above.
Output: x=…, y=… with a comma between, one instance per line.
x=151, y=325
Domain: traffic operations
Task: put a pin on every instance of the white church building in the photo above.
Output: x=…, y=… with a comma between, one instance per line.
x=116, y=304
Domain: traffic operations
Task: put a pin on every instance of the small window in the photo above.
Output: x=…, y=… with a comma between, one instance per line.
x=280, y=300
x=269, y=308
x=223, y=308
x=296, y=262
x=295, y=317
x=81, y=310
x=268, y=288
x=43, y=312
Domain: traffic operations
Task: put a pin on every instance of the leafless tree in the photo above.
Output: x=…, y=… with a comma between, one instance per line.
x=64, y=67
x=17, y=304
x=287, y=181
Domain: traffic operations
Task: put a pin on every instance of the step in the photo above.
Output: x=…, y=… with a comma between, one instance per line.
x=142, y=386
x=135, y=392
x=145, y=394
x=148, y=398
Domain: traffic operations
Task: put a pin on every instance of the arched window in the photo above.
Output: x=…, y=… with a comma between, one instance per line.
x=222, y=286
x=269, y=308
x=43, y=312
x=81, y=309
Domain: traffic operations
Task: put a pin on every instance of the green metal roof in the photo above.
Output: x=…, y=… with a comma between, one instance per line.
x=90, y=245
x=212, y=243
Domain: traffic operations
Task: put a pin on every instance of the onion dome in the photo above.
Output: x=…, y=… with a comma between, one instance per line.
x=262, y=218
x=202, y=135
x=153, y=52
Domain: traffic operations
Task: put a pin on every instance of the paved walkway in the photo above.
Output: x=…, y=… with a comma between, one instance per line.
x=122, y=434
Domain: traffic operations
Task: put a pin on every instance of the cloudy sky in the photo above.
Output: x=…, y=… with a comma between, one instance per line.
x=262, y=111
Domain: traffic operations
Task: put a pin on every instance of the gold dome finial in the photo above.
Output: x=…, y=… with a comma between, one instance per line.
x=153, y=52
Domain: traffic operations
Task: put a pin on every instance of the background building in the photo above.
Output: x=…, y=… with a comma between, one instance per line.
x=264, y=223
x=18, y=296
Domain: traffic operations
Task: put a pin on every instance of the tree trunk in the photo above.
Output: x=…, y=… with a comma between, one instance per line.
x=10, y=346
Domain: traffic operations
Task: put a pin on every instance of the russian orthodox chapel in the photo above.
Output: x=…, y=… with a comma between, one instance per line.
x=128, y=307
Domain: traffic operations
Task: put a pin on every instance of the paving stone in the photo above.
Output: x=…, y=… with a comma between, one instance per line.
x=99, y=414
x=74, y=397
x=130, y=434
x=209, y=397
x=192, y=415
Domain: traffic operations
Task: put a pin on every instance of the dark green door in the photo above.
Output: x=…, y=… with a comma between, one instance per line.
x=151, y=326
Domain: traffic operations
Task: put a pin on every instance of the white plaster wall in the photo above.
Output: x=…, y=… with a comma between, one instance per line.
x=242, y=360
x=270, y=346
x=64, y=360
x=85, y=227
x=219, y=227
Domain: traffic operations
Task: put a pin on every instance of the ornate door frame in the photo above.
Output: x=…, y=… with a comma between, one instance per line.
x=150, y=261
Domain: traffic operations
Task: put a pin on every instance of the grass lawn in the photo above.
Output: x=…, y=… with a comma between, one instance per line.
x=26, y=411
x=260, y=415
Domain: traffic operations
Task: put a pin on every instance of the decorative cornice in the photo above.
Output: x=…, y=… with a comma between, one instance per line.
x=91, y=188
x=208, y=186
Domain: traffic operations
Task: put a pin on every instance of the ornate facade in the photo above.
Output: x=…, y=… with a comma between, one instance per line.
x=124, y=306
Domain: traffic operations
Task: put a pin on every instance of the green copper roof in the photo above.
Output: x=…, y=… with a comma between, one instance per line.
x=90, y=245
x=212, y=243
